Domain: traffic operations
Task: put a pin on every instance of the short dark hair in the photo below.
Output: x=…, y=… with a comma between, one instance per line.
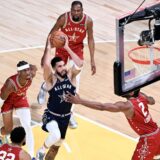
x=21, y=63
x=17, y=135
x=135, y=94
x=76, y=3
x=55, y=60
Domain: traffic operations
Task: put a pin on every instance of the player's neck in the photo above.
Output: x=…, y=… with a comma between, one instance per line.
x=80, y=18
x=16, y=145
x=61, y=78
x=22, y=81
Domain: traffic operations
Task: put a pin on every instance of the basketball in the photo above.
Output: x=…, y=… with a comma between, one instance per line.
x=57, y=39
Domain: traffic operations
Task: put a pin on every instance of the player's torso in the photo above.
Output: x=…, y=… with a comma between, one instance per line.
x=8, y=152
x=76, y=31
x=20, y=91
x=18, y=97
x=141, y=122
x=56, y=101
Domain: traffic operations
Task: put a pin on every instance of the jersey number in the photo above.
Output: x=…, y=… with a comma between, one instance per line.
x=6, y=156
x=141, y=105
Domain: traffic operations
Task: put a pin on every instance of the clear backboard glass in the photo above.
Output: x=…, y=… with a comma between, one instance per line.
x=138, y=49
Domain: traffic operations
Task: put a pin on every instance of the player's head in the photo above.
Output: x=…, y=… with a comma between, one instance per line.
x=23, y=69
x=18, y=136
x=59, y=66
x=76, y=11
x=133, y=94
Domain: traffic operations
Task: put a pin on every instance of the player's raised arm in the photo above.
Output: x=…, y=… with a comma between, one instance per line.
x=78, y=61
x=59, y=24
x=47, y=59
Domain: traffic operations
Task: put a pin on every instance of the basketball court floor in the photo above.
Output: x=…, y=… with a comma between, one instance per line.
x=100, y=135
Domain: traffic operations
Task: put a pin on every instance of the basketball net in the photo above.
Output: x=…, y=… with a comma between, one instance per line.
x=145, y=58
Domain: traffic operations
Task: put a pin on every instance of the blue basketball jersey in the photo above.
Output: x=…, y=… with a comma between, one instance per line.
x=56, y=102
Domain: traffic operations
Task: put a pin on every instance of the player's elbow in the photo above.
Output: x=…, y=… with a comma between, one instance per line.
x=151, y=100
x=79, y=64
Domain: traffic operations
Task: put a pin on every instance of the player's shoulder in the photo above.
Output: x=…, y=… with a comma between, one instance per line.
x=23, y=155
x=89, y=22
x=3, y=145
x=62, y=17
x=12, y=76
x=89, y=19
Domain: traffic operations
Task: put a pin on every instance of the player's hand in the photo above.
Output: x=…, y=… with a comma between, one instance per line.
x=93, y=67
x=72, y=99
x=66, y=42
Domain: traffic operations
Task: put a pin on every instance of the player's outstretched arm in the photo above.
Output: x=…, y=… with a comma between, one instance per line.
x=111, y=107
x=59, y=24
x=24, y=155
x=91, y=44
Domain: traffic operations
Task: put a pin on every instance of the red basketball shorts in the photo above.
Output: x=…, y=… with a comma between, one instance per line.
x=147, y=147
x=64, y=55
x=10, y=105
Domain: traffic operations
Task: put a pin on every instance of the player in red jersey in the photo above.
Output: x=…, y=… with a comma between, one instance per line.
x=76, y=25
x=136, y=111
x=13, y=151
x=13, y=96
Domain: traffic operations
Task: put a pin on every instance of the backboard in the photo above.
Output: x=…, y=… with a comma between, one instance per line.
x=137, y=49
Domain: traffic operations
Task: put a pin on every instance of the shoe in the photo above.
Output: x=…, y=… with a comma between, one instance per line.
x=41, y=98
x=72, y=123
x=33, y=158
x=40, y=154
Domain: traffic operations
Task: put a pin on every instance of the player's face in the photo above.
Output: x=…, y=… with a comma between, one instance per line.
x=25, y=74
x=61, y=68
x=76, y=13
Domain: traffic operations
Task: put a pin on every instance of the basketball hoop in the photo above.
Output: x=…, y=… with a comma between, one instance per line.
x=145, y=58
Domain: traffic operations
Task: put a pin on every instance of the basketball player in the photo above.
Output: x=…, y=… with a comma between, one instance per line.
x=56, y=116
x=136, y=111
x=13, y=96
x=75, y=24
x=13, y=151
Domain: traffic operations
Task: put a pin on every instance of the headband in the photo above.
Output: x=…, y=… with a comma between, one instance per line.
x=23, y=67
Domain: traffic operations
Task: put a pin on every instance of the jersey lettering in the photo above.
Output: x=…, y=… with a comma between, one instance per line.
x=6, y=156
x=141, y=105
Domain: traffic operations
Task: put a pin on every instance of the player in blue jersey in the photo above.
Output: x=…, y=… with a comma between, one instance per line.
x=56, y=117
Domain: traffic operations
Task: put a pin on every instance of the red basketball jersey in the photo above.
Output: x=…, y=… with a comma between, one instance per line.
x=9, y=152
x=141, y=122
x=19, y=97
x=76, y=31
